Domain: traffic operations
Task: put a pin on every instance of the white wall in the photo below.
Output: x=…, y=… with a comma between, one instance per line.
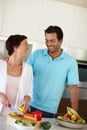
x=32, y=17
x=56, y=13
x=2, y=14
x=79, y=28
x=22, y=16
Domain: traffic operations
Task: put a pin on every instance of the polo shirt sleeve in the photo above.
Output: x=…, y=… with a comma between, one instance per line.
x=72, y=75
x=32, y=58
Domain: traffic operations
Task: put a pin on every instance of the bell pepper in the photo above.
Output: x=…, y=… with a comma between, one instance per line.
x=37, y=114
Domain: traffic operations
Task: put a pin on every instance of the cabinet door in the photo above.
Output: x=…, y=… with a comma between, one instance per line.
x=22, y=17
x=56, y=13
x=2, y=13
x=79, y=28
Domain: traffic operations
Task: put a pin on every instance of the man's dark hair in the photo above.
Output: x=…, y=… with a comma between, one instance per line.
x=55, y=29
x=14, y=41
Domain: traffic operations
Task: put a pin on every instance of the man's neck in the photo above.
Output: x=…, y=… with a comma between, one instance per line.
x=55, y=55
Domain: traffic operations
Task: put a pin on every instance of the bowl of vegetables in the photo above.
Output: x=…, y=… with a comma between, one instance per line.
x=23, y=124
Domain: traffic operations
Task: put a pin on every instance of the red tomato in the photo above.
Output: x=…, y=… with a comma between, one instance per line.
x=67, y=119
x=37, y=114
x=68, y=116
x=78, y=122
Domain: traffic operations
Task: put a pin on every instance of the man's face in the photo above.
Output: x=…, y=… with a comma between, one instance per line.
x=52, y=43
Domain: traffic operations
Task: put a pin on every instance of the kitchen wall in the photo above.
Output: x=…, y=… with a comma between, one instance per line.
x=2, y=14
x=32, y=17
x=21, y=16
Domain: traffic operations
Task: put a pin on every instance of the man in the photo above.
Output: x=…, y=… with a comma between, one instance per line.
x=53, y=68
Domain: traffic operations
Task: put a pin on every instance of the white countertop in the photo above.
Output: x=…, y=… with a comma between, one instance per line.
x=55, y=126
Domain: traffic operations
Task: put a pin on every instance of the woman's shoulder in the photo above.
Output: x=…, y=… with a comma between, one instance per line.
x=28, y=67
x=2, y=61
x=2, y=64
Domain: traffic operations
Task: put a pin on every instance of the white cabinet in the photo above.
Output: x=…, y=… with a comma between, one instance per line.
x=22, y=17
x=32, y=17
x=72, y=19
x=2, y=14
x=78, y=38
x=56, y=13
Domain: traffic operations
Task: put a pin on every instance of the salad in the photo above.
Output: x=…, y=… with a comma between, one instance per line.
x=24, y=122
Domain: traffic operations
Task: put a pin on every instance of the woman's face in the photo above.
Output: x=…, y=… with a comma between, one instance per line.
x=22, y=48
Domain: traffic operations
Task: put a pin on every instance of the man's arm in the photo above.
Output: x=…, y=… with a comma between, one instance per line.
x=74, y=96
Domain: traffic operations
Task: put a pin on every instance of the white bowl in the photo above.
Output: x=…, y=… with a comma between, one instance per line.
x=19, y=127
x=70, y=125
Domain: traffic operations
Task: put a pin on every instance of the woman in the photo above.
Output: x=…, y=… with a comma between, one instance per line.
x=15, y=76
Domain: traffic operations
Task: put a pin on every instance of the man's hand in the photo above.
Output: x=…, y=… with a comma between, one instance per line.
x=6, y=58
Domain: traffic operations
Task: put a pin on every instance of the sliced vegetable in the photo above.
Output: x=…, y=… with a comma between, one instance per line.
x=14, y=114
x=21, y=108
x=24, y=122
x=46, y=125
x=30, y=117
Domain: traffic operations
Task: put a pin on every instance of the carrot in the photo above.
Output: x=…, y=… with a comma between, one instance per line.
x=30, y=117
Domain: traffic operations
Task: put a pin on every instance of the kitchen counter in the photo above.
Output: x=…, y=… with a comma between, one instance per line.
x=55, y=126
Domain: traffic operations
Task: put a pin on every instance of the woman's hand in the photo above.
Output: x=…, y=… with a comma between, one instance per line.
x=4, y=99
x=26, y=103
x=26, y=107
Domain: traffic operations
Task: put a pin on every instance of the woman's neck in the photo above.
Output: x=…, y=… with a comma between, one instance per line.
x=14, y=62
x=14, y=66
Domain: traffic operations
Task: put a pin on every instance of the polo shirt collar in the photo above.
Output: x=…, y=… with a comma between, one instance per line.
x=62, y=56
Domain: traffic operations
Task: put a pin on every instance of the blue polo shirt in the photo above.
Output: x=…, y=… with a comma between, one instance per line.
x=50, y=78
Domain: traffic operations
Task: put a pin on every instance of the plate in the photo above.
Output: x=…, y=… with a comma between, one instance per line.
x=70, y=125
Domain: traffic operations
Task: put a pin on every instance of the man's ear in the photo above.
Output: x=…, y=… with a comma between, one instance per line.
x=61, y=42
